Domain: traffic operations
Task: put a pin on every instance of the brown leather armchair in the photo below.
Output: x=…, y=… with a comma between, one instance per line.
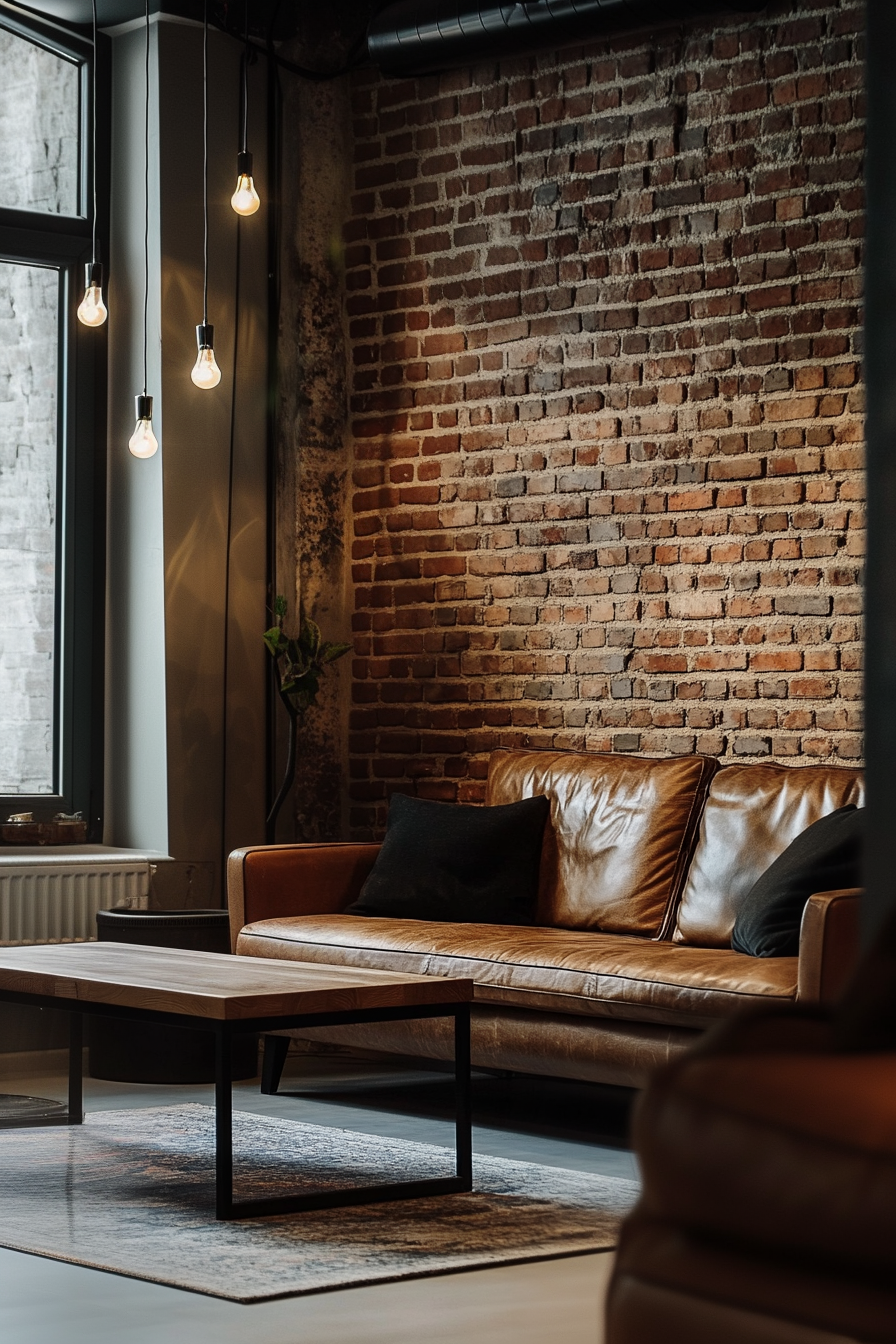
x=768, y=1153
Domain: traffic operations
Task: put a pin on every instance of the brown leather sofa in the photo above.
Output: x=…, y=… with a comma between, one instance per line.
x=644, y=864
x=768, y=1213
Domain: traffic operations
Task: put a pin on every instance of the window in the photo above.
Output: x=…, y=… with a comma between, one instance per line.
x=52, y=433
x=39, y=127
x=29, y=320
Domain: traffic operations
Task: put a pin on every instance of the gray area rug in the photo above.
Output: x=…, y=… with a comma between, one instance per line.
x=132, y=1192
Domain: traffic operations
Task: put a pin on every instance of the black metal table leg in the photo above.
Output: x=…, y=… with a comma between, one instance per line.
x=464, y=1123
x=76, y=1069
x=223, y=1126
x=462, y=1181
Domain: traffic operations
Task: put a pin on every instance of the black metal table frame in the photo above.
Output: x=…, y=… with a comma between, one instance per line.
x=226, y=1207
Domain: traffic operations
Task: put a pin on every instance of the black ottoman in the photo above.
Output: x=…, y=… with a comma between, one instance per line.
x=142, y=1052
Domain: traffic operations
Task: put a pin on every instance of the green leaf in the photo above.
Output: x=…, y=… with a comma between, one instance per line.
x=275, y=640
x=301, y=659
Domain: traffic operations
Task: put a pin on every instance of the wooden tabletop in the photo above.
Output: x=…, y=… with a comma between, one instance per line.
x=211, y=984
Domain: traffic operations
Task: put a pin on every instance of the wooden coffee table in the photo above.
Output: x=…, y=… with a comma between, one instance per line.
x=227, y=995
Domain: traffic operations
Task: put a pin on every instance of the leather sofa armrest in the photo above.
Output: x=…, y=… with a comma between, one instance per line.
x=277, y=881
x=829, y=945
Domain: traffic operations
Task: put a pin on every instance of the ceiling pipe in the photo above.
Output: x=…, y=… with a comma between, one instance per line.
x=414, y=36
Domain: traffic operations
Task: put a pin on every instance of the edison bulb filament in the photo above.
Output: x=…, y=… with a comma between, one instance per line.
x=245, y=200
x=91, y=310
x=205, y=372
x=143, y=443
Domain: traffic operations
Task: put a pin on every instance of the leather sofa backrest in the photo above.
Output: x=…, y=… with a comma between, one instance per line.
x=752, y=813
x=620, y=836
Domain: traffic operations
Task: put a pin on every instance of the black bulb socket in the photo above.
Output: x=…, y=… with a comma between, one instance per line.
x=143, y=404
x=205, y=335
x=244, y=163
x=93, y=274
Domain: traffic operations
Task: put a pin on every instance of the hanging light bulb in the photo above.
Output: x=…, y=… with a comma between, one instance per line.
x=143, y=443
x=245, y=200
x=91, y=310
x=205, y=372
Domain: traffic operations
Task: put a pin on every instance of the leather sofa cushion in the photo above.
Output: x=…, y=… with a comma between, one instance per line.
x=555, y=970
x=621, y=834
x=752, y=814
x=793, y=1152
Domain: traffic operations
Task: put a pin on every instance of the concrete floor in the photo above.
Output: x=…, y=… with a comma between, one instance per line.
x=553, y=1302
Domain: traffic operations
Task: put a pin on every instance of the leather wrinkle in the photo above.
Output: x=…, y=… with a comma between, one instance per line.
x=613, y=857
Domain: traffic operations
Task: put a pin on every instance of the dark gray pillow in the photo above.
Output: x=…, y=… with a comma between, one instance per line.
x=476, y=865
x=825, y=857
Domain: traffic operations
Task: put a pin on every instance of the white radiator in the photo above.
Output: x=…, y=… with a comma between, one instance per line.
x=47, y=899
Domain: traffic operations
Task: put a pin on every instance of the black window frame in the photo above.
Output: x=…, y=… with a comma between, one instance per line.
x=64, y=242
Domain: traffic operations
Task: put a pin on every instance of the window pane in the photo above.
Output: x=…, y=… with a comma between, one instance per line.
x=29, y=302
x=39, y=116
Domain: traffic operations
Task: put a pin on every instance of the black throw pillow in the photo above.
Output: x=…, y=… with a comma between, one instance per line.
x=825, y=857
x=476, y=865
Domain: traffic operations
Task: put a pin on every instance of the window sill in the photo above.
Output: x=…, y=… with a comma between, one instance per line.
x=19, y=856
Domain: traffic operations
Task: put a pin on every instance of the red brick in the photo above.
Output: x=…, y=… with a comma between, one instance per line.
x=786, y=660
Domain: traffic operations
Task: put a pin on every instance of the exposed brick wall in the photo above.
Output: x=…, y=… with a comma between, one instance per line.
x=604, y=319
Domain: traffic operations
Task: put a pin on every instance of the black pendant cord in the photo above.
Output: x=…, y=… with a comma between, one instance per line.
x=205, y=163
x=228, y=543
x=93, y=137
x=274, y=160
x=146, y=203
x=245, y=145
